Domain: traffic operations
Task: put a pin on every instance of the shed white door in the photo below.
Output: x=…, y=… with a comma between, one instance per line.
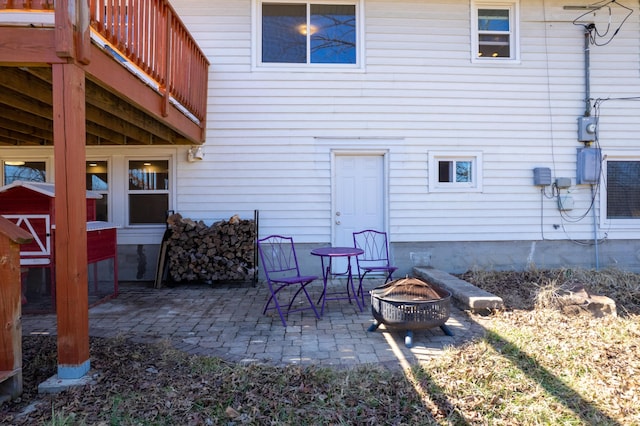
x=359, y=199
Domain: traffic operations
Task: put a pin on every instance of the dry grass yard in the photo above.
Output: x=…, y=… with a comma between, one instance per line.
x=539, y=364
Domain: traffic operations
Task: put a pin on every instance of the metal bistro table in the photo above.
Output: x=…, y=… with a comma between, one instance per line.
x=329, y=253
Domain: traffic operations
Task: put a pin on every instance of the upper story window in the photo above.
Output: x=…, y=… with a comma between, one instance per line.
x=494, y=31
x=308, y=33
x=148, y=191
x=453, y=171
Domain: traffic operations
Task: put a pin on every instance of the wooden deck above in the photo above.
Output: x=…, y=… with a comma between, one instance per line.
x=146, y=79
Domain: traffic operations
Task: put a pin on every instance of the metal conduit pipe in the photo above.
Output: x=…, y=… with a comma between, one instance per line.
x=587, y=68
x=587, y=113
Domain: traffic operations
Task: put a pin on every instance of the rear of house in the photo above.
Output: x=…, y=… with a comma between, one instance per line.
x=478, y=134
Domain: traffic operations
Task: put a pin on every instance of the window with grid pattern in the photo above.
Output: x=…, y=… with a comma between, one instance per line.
x=494, y=29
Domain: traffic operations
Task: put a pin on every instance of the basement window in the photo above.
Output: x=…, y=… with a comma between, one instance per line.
x=623, y=189
x=455, y=172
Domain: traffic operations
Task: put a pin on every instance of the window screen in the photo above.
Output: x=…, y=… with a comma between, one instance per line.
x=623, y=189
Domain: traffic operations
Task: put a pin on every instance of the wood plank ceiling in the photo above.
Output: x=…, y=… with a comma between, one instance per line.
x=26, y=113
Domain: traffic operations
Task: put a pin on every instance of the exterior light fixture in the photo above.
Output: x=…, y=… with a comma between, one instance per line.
x=195, y=153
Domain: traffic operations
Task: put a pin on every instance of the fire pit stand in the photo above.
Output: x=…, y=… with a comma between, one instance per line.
x=410, y=304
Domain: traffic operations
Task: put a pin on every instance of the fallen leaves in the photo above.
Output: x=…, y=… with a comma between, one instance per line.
x=536, y=366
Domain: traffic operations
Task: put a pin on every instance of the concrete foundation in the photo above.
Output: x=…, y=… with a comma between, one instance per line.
x=55, y=384
x=138, y=262
x=459, y=257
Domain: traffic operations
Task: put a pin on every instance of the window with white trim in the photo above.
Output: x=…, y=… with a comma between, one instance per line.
x=494, y=30
x=98, y=181
x=622, y=189
x=148, y=191
x=136, y=196
x=23, y=170
x=305, y=33
x=455, y=172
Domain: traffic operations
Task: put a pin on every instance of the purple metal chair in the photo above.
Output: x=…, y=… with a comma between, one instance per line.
x=280, y=264
x=375, y=257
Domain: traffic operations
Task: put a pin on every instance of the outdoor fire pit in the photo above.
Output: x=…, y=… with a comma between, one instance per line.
x=410, y=304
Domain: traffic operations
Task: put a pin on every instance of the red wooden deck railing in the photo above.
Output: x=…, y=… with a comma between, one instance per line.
x=149, y=34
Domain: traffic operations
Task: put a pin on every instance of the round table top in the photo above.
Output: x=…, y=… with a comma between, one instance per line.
x=337, y=251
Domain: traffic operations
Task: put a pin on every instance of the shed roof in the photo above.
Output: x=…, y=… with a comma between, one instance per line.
x=44, y=188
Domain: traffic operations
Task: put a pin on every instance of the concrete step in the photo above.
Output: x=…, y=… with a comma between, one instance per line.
x=466, y=294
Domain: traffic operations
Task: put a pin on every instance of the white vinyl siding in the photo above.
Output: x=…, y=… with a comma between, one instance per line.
x=270, y=134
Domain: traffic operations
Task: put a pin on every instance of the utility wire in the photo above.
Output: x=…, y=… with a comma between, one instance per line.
x=595, y=35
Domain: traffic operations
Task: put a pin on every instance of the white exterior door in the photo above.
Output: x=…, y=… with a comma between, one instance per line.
x=359, y=201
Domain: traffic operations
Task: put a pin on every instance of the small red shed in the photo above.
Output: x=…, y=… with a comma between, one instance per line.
x=30, y=205
x=11, y=237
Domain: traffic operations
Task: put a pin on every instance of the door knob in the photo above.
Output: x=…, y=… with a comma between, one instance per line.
x=337, y=213
x=337, y=222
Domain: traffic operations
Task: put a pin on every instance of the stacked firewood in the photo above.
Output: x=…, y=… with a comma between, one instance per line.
x=223, y=251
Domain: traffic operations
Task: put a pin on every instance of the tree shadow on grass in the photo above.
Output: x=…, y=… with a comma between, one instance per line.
x=435, y=398
x=547, y=380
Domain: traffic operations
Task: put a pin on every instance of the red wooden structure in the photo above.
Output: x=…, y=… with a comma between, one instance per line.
x=147, y=35
x=30, y=205
x=11, y=236
x=79, y=74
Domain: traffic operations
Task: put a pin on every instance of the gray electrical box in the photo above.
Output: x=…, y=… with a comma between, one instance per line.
x=565, y=202
x=542, y=176
x=588, y=167
x=563, y=182
x=587, y=129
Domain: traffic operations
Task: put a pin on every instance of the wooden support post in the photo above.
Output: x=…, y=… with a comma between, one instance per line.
x=72, y=292
x=10, y=309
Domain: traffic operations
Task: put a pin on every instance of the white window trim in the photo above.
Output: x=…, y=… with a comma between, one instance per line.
x=15, y=156
x=109, y=191
x=117, y=158
x=514, y=26
x=169, y=192
x=256, y=54
x=476, y=171
x=605, y=222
